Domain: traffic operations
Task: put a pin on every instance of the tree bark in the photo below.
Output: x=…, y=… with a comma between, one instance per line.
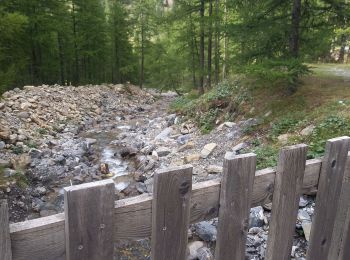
x=294, y=41
x=193, y=54
x=210, y=41
x=217, y=43
x=61, y=57
x=142, y=63
x=224, y=66
x=76, y=60
x=201, y=48
x=342, y=48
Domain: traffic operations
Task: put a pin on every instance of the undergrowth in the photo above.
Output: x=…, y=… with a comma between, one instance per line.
x=321, y=104
x=221, y=103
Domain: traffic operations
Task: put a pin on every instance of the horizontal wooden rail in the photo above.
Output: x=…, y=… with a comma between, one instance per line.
x=44, y=238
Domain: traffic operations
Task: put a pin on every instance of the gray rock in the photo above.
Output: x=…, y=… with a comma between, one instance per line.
x=2, y=105
x=303, y=216
x=60, y=159
x=5, y=163
x=237, y=148
x=35, y=153
x=204, y=253
x=163, y=151
x=24, y=115
x=183, y=139
x=256, y=218
x=164, y=135
x=303, y=201
x=2, y=145
x=206, y=231
x=40, y=190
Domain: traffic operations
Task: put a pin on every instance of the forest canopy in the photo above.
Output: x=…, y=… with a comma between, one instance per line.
x=182, y=44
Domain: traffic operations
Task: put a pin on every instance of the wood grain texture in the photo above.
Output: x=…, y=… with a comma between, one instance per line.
x=285, y=203
x=235, y=201
x=171, y=212
x=339, y=242
x=327, y=199
x=43, y=239
x=344, y=250
x=5, y=241
x=89, y=222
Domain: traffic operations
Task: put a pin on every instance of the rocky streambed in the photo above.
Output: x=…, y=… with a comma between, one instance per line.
x=56, y=136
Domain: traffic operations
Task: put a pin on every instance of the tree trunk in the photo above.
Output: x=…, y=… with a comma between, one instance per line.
x=217, y=43
x=210, y=41
x=224, y=67
x=294, y=40
x=142, y=63
x=201, y=49
x=342, y=48
x=193, y=54
x=76, y=60
x=61, y=57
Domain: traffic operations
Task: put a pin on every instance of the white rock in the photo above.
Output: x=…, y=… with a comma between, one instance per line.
x=214, y=169
x=307, y=229
x=307, y=130
x=283, y=139
x=208, y=149
x=193, y=248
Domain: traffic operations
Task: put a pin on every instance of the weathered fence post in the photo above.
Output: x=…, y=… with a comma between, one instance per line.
x=285, y=203
x=89, y=210
x=171, y=212
x=327, y=199
x=235, y=202
x=339, y=242
x=5, y=241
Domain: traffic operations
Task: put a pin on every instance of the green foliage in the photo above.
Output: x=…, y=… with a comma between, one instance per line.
x=331, y=127
x=207, y=120
x=42, y=131
x=279, y=71
x=17, y=150
x=283, y=126
x=266, y=156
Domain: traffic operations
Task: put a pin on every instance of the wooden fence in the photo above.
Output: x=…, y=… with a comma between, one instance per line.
x=93, y=221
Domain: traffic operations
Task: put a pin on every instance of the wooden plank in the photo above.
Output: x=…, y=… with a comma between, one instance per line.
x=89, y=212
x=171, y=212
x=235, y=201
x=39, y=239
x=339, y=231
x=5, y=241
x=344, y=250
x=285, y=203
x=327, y=199
x=43, y=239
